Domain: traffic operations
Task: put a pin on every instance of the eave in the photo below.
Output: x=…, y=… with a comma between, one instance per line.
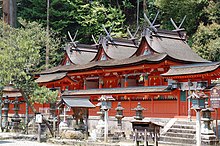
x=120, y=91
x=202, y=70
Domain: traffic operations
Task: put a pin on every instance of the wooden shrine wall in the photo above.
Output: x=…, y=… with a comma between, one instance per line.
x=157, y=108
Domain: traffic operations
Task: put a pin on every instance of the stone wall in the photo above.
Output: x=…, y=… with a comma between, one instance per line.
x=126, y=124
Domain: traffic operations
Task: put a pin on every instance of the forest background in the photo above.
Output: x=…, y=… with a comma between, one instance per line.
x=202, y=22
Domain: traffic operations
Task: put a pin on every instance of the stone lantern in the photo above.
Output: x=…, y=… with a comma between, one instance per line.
x=101, y=114
x=119, y=114
x=106, y=105
x=198, y=100
x=5, y=108
x=16, y=118
x=139, y=112
x=201, y=85
x=207, y=134
x=198, y=103
x=175, y=85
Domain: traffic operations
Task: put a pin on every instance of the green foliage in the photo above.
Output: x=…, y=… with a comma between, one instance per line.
x=43, y=95
x=211, y=12
x=127, y=4
x=207, y=41
x=177, y=9
x=72, y=15
x=21, y=50
x=19, y=53
x=91, y=16
x=61, y=14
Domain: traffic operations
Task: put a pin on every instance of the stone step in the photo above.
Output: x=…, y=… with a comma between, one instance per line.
x=184, y=126
x=185, y=122
x=178, y=140
x=174, y=144
x=183, y=135
x=177, y=130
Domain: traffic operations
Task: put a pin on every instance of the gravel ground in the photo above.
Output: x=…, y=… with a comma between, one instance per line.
x=10, y=142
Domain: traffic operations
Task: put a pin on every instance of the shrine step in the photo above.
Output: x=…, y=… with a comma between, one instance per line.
x=185, y=122
x=174, y=144
x=181, y=130
x=177, y=140
x=183, y=135
x=184, y=126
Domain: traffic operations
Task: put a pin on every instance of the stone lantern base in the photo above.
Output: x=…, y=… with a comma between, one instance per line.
x=207, y=134
x=209, y=139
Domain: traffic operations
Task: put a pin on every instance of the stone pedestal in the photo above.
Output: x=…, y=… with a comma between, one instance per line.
x=100, y=130
x=15, y=121
x=5, y=109
x=63, y=126
x=207, y=134
x=72, y=134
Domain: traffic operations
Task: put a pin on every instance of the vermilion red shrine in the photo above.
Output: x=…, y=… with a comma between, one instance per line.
x=134, y=71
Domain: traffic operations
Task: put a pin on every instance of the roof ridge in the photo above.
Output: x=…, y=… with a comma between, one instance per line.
x=197, y=65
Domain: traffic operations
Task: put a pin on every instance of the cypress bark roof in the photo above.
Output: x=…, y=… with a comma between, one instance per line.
x=109, y=63
x=11, y=91
x=127, y=90
x=165, y=44
x=50, y=77
x=82, y=54
x=119, y=48
x=174, y=45
x=191, y=69
x=79, y=102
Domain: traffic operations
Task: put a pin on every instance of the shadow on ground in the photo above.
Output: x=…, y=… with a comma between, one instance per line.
x=2, y=142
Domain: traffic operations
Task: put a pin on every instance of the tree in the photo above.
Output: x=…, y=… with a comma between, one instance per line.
x=21, y=52
x=206, y=40
x=72, y=15
x=91, y=16
x=20, y=56
x=43, y=95
x=177, y=9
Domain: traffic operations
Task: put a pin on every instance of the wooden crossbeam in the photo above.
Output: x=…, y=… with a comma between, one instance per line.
x=83, y=50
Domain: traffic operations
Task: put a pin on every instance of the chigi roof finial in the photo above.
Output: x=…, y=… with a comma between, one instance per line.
x=151, y=26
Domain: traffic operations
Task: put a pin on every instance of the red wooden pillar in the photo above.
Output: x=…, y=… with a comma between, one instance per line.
x=100, y=82
x=84, y=84
x=178, y=102
x=126, y=81
x=130, y=107
x=152, y=105
x=146, y=80
x=62, y=87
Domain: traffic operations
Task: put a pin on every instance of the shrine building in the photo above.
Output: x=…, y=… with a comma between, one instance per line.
x=158, y=71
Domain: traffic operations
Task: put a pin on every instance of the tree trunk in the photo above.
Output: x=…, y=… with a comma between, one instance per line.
x=28, y=104
x=10, y=12
x=144, y=6
x=47, y=45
